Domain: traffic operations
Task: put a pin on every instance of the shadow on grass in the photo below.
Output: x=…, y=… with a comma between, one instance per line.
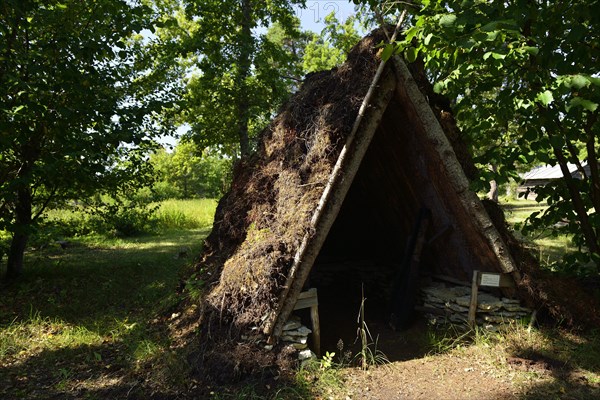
x=94, y=284
x=78, y=324
x=569, y=369
x=86, y=322
x=86, y=372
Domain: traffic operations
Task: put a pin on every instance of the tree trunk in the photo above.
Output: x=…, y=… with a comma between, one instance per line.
x=578, y=206
x=587, y=227
x=594, y=168
x=14, y=267
x=23, y=219
x=493, y=193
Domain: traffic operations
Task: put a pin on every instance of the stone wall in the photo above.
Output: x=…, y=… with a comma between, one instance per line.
x=295, y=335
x=444, y=303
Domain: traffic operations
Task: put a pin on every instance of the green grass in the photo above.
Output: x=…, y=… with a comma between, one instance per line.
x=185, y=214
x=88, y=309
x=80, y=320
x=548, y=249
x=518, y=210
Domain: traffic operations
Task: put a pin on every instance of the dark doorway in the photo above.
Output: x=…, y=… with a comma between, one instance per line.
x=363, y=251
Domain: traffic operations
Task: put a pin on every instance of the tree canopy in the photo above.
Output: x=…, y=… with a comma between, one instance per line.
x=329, y=49
x=190, y=172
x=234, y=79
x=79, y=103
x=89, y=85
x=524, y=81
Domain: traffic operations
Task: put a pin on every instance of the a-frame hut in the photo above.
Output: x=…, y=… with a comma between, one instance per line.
x=356, y=190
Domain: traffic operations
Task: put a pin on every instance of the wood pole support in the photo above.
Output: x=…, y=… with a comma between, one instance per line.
x=473, y=303
x=314, y=316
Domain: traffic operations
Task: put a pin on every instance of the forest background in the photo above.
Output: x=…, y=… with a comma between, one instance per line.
x=90, y=88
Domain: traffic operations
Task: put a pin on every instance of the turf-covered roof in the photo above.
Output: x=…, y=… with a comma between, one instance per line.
x=328, y=182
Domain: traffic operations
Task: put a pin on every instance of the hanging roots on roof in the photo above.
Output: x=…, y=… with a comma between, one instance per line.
x=261, y=222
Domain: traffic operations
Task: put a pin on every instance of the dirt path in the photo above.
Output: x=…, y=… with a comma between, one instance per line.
x=471, y=374
x=439, y=377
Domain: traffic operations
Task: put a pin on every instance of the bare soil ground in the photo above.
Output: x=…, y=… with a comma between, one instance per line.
x=436, y=377
x=467, y=375
x=514, y=365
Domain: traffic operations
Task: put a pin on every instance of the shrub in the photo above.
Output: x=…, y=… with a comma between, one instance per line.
x=125, y=218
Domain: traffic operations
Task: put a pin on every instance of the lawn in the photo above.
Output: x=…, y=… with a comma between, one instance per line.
x=81, y=317
x=548, y=248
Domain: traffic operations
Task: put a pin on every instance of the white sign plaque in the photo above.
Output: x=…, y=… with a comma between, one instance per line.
x=490, y=280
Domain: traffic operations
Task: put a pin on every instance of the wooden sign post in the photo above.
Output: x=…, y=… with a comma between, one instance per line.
x=489, y=279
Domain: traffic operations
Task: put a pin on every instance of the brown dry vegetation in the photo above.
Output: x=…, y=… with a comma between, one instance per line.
x=260, y=223
x=267, y=212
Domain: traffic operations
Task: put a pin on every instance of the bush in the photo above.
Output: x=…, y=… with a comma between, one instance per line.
x=125, y=219
x=166, y=190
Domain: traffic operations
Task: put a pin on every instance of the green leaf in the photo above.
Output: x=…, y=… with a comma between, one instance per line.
x=577, y=81
x=494, y=55
x=585, y=104
x=530, y=135
x=531, y=50
x=594, y=81
x=466, y=43
x=387, y=52
x=524, y=104
x=556, y=141
x=545, y=97
x=491, y=36
x=411, y=54
x=455, y=56
x=17, y=109
x=447, y=20
x=544, y=157
x=480, y=36
x=439, y=87
x=411, y=33
x=507, y=24
x=530, y=156
x=428, y=39
x=491, y=26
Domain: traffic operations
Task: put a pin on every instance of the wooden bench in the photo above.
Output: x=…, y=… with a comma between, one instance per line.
x=309, y=299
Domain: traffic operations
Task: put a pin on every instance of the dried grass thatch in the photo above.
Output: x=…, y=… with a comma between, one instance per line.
x=261, y=222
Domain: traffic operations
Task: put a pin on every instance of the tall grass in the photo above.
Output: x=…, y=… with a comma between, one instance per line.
x=172, y=214
x=185, y=214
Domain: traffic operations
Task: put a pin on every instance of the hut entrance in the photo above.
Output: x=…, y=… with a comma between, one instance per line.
x=365, y=248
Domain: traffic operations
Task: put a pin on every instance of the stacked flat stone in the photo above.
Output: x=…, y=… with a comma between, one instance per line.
x=296, y=335
x=454, y=302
